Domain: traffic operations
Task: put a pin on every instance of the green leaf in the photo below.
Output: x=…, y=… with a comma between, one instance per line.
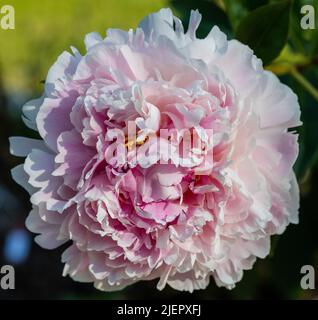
x=236, y=11
x=239, y=9
x=265, y=29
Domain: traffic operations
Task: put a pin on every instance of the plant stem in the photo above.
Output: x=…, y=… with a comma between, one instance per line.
x=304, y=82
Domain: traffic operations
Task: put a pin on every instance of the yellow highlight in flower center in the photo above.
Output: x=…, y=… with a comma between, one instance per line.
x=129, y=144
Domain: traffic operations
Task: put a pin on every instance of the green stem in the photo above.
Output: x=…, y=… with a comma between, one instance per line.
x=305, y=83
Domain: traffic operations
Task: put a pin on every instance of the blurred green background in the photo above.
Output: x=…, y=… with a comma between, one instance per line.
x=44, y=28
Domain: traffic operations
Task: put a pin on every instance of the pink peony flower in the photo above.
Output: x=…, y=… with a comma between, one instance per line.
x=179, y=216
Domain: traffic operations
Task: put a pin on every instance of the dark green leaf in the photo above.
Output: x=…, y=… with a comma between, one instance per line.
x=265, y=29
x=239, y=9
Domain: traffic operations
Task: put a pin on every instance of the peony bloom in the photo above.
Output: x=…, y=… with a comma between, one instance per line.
x=178, y=215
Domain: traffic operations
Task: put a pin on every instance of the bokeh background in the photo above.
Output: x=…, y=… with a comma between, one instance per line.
x=44, y=28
